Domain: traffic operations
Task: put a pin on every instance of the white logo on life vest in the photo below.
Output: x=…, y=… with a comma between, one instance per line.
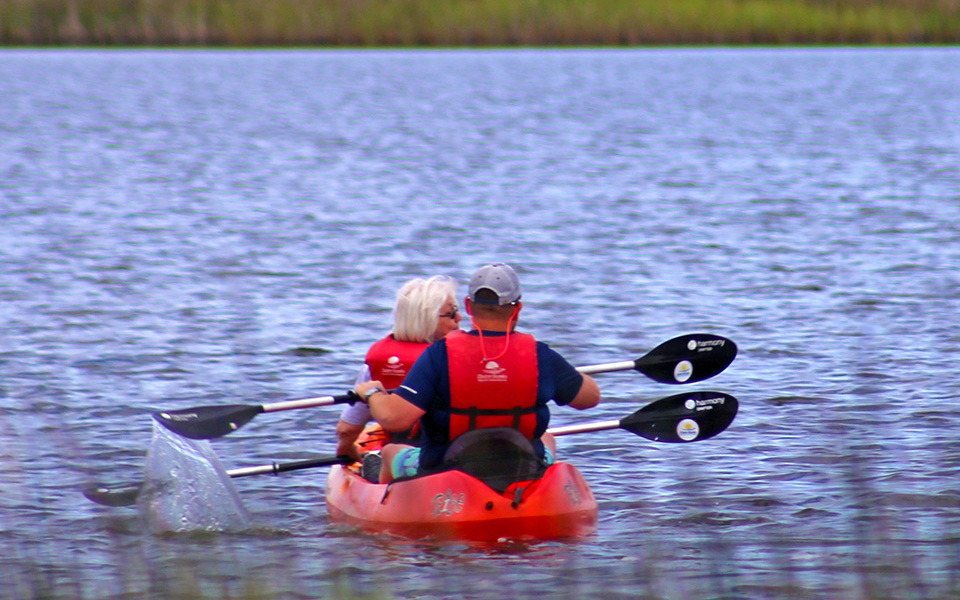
x=492, y=372
x=395, y=367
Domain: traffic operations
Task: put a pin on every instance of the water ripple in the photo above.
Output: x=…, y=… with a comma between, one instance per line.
x=230, y=227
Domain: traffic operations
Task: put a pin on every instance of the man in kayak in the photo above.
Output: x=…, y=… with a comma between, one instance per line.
x=492, y=376
x=425, y=311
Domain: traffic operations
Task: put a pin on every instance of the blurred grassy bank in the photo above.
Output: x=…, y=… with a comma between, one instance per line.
x=475, y=22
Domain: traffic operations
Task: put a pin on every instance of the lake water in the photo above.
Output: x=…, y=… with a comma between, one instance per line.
x=184, y=228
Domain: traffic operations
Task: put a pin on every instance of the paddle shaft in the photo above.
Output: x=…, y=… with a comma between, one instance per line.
x=627, y=365
x=277, y=468
x=126, y=495
x=584, y=428
x=305, y=403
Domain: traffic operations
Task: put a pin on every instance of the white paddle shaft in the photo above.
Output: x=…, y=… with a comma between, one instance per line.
x=305, y=403
x=586, y=427
x=626, y=365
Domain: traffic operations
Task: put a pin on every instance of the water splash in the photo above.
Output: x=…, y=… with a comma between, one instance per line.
x=187, y=488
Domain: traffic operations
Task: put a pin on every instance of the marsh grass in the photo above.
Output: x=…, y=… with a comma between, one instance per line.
x=888, y=572
x=885, y=565
x=453, y=23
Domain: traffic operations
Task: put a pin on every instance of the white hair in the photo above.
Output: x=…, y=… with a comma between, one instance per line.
x=418, y=307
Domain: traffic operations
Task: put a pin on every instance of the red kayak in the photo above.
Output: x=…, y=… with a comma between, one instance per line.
x=454, y=505
x=489, y=490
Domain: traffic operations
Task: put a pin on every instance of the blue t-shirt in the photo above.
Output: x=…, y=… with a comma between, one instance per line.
x=427, y=385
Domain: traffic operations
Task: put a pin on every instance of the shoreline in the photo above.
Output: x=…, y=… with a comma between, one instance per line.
x=467, y=49
x=477, y=23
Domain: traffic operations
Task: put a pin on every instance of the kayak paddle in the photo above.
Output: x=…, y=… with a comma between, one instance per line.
x=685, y=359
x=681, y=418
x=207, y=422
x=126, y=495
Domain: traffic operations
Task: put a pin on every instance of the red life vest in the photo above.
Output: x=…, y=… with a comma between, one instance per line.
x=495, y=393
x=390, y=360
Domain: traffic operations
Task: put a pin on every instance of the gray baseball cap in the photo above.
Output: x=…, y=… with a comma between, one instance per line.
x=500, y=279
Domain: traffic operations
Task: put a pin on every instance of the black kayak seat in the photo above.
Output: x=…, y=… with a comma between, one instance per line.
x=498, y=456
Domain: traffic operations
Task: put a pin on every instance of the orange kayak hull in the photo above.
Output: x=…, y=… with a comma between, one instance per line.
x=455, y=506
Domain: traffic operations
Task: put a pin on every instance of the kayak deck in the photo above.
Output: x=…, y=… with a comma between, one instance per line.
x=454, y=505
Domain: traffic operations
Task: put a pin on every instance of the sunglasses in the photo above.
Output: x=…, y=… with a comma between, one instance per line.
x=450, y=315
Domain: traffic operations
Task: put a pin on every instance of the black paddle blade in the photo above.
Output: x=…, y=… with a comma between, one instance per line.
x=207, y=422
x=688, y=358
x=125, y=495
x=683, y=418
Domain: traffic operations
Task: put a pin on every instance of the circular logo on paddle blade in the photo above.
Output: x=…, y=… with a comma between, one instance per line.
x=688, y=430
x=683, y=371
x=690, y=404
x=692, y=345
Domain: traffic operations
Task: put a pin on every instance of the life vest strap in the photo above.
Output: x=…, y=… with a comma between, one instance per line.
x=517, y=412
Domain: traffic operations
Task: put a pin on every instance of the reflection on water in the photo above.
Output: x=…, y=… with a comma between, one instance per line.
x=178, y=226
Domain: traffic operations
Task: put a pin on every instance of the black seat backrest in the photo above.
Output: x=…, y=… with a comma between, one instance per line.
x=498, y=456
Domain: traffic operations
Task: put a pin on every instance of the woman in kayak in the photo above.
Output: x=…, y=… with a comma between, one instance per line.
x=489, y=377
x=425, y=311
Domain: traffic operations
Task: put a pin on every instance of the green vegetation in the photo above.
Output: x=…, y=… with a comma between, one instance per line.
x=379, y=23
